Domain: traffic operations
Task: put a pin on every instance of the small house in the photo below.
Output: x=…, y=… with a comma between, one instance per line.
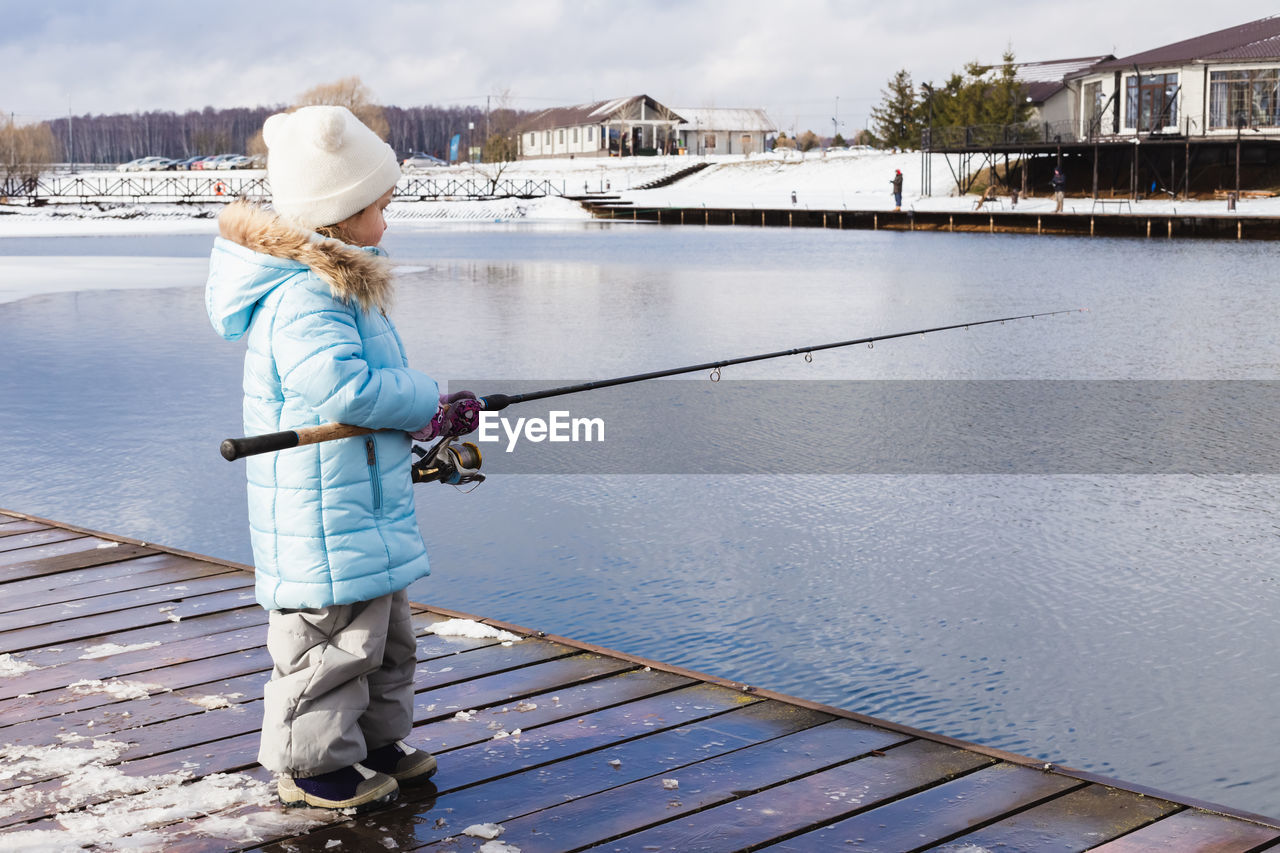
x=709, y=130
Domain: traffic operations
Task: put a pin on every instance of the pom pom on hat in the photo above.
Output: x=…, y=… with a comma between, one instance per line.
x=325, y=165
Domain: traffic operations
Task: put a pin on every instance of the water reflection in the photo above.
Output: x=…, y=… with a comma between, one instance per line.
x=1122, y=624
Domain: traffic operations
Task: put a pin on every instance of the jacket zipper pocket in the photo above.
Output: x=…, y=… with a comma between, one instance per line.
x=371, y=454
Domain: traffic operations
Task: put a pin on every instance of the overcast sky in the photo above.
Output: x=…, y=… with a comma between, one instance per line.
x=793, y=57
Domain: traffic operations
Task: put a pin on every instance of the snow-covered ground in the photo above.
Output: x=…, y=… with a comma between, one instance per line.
x=857, y=179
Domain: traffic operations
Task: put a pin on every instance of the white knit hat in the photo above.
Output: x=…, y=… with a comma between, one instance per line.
x=324, y=165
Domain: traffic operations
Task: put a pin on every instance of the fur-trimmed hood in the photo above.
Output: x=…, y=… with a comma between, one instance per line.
x=258, y=250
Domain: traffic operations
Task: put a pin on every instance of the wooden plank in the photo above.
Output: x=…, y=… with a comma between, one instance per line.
x=508, y=689
x=545, y=744
x=1195, y=831
x=202, y=834
x=1075, y=821
x=800, y=804
x=16, y=526
x=49, y=589
x=11, y=561
x=199, y=833
x=938, y=813
x=178, y=732
x=51, y=703
x=43, y=799
x=162, y=706
x=169, y=741
x=190, y=640
x=561, y=703
x=579, y=775
x=104, y=626
x=77, y=559
x=173, y=642
x=492, y=659
x=579, y=820
x=13, y=540
x=163, y=599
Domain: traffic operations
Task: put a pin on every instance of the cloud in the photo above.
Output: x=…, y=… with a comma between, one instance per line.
x=794, y=58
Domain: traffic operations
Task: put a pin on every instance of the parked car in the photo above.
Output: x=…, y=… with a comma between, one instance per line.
x=214, y=162
x=218, y=161
x=144, y=164
x=237, y=161
x=418, y=160
x=188, y=163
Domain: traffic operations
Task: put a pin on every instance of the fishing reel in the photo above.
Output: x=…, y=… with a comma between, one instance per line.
x=448, y=463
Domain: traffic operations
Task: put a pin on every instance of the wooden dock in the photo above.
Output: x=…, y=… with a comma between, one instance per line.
x=1094, y=223
x=130, y=673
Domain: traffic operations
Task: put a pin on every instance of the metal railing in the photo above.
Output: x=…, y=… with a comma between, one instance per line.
x=992, y=135
x=218, y=188
x=433, y=188
x=171, y=188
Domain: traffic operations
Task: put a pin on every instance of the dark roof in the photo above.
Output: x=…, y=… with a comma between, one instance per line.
x=1258, y=39
x=1042, y=80
x=596, y=112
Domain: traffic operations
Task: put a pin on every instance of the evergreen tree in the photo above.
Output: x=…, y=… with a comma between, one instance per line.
x=982, y=96
x=896, y=120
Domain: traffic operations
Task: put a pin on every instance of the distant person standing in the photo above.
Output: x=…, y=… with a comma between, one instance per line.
x=897, y=189
x=1059, y=183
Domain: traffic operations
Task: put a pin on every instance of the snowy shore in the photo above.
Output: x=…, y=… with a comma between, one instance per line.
x=834, y=180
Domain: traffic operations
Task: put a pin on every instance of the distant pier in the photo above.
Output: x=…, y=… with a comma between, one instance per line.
x=1095, y=223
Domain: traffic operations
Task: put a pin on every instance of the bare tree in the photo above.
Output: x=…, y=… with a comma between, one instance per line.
x=25, y=151
x=500, y=144
x=353, y=94
x=808, y=141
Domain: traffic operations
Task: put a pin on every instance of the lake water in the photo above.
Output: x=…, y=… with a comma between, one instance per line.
x=1125, y=624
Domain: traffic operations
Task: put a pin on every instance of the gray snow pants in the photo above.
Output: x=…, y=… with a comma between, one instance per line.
x=342, y=684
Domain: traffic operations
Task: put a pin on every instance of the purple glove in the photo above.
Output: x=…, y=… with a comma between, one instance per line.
x=458, y=415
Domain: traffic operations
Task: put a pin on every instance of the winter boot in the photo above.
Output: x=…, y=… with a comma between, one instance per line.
x=402, y=762
x=348, y=788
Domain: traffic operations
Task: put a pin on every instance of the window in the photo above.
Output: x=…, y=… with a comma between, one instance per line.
x=561, y=136
x=589, y=131
x=575, y=134
x=709, y=142
x=1151, y=101
x=1248, y=98
x=531, y=139
x=547, y=140
x=1091, y=106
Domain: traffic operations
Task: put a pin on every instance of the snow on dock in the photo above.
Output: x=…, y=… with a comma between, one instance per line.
x=131, y=681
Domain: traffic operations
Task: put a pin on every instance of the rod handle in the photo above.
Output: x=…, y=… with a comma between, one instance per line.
x=251, y=445
x=496, y=402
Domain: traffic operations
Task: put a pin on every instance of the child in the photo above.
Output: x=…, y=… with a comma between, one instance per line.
x=335, y=536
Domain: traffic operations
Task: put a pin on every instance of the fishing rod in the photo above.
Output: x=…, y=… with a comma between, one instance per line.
x=446, y=462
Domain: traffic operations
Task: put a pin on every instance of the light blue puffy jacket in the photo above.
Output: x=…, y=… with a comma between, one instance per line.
x=331, y=523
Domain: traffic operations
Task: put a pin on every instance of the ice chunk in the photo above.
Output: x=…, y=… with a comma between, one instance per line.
x=483, y=830
x=472, y=629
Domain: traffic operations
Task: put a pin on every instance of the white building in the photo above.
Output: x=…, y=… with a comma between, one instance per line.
x=1211, y=85
x=1046, y=91
x=622, y=126
x=641, y=125
x=709, y=130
